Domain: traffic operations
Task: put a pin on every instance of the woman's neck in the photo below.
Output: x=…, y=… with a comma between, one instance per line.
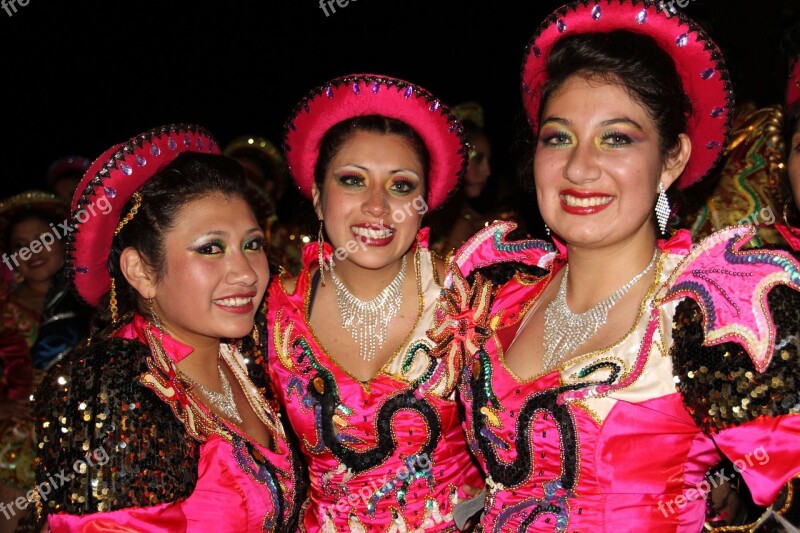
x=366, y=283
x=594, y=274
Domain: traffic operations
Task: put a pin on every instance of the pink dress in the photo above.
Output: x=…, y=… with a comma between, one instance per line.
x=622, y=439
x=126, y=447
x=387, y=455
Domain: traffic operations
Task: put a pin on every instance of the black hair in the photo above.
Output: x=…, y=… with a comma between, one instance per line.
x=23, y=216
x=191, y=176
x=336, y=136
x=636, y=62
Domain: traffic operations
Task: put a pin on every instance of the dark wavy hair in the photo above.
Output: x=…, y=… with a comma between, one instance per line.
x=633, y=60
x=340, y=133
x=191, y=176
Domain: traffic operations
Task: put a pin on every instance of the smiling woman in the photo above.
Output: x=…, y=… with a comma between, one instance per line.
x=177, y=275
x=603, y=383
x=351, y=361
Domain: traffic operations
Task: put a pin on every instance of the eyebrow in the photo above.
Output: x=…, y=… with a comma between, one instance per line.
x=393, y=171
x=220, y=233
x=605, y=123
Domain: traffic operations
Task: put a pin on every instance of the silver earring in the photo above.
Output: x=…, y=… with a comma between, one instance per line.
x=662, y=208
x=154, y=315
x=547, y=229
x=320, y=256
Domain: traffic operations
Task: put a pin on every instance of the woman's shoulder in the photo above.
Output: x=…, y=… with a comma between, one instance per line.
x=91, y=408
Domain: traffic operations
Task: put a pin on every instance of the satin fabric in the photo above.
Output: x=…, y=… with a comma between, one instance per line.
x=339, y=498
x=640, y=461
x=224, y=494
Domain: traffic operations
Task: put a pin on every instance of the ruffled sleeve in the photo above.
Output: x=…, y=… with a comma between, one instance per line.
x=751, y=416
x=112, y=457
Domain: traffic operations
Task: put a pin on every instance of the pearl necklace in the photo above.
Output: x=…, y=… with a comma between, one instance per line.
x=368, y=322
x=565, y=331
x=223, y=401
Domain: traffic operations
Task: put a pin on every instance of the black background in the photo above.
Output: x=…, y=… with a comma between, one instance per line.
x=81, y=76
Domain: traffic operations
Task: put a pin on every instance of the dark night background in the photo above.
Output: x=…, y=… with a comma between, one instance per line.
x=80, y=76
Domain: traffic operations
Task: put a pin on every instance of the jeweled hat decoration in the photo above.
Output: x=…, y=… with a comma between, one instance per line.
x=697, y=58
x=61, y=166
x=32, y=201
x=369, y=94
x=115, y=176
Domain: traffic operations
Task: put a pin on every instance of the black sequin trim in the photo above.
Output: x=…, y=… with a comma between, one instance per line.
x=720, y=385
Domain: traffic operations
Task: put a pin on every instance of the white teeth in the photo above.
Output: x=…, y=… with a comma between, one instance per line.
x=586, y=202
x=233, y=302
x=372, y=233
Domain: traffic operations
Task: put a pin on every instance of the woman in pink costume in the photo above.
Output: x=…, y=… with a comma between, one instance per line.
x=374, y=412
x=159, y=423
x=606, y=376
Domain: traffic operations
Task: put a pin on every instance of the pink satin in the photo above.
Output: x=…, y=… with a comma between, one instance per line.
x=789, y=235
x=334, y=490
x=167, y=517
x=641, y=467
x=225, y=498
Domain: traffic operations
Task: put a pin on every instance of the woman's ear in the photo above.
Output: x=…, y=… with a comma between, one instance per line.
x=316, y=198
x=675, y=163
x=138, y=273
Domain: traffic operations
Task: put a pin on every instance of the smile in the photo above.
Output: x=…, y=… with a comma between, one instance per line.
x=372, y=233
x=233, y=302
x=592, y=201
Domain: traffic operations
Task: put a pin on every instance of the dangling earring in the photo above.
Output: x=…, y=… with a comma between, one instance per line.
x=662, y=208
x=320, y=256
x=154, y=315
x=547, y=229
x=112, y=302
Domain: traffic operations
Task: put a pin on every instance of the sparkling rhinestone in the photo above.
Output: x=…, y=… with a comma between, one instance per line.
x=597, y=12
x=708, y=73
x=717, y=112
x=409, y=92
x=713, y=145
x=329, y=92
x=126, y=169
x=375, y=87
x=140, y=160
x=682, y=40
x=561, y=26
x=434, y=105
x=187, y=142
x=356, y=88
x=82, y=269
x=155, y=151
x=641, y=17
x=110, y=192
x=171, y=144
x=536, y=51
x=199, y=143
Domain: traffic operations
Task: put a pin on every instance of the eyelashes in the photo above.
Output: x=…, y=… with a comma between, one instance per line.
x=609, y=138
x=218, y=247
